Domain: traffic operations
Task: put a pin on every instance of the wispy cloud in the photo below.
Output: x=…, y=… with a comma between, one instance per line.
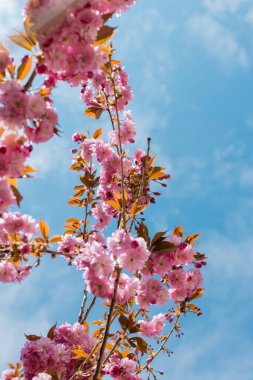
x=223, y=6
x=218, y=40
x=10, y=17
x=51, y=156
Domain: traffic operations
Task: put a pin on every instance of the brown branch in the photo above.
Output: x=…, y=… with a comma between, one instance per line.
x=107, y=327
x=30, y=80
x=80, y=316
x=88, y=310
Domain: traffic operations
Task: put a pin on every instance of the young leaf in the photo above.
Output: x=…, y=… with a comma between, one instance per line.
x=97, y=134
x=140, y=343
x=50, y=333
x=22, y=40
x=79, y=353
x=104, y=34
x=94, y=112
x=44, y=229
x=55, y=239
x=32, y=338
x=178, y=231
x=24, y=68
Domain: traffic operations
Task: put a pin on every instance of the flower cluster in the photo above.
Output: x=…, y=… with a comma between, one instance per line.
x=15, y=232
x=121, y=369
x=68, y=39
x=18, y=108
x=55, y=354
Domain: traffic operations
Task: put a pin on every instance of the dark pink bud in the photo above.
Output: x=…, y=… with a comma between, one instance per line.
x=164, y=185
x=41, y=68
x=3, y=149
x=152, y=200
x=157, y=193
x=134, y=244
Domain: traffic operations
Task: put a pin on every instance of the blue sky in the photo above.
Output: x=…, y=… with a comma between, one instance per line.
x=191, y=67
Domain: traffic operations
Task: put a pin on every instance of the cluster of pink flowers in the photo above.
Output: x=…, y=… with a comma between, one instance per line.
x=5, y=59
x=25, y=226
x=101, y=91
x=131, y=253
x=153, y=327
x=70, y=244
x=10, y=273
x=15, y=223
x=18, y=108
x=121, y=369
x=67, y=39
x=13, y=154
x=7, y=198
x=55, y=354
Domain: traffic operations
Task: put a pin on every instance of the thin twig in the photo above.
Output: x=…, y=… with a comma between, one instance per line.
x=107, y=327
x=80, y=316
x=89, y=309
x=142, y=181
x=161, y=347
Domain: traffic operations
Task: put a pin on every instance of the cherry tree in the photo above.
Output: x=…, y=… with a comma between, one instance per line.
x=128, y=271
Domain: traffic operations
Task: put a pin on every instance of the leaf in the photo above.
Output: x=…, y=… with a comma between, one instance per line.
x=156, y=173
x=50, y=333
x=158, y=236
x=13, y=182
x=22, y=40
x=141, y=344
x=193, y=309
x=107, y=16
x=79, y=353
x=97, y=333
x=123, y=321
x=55, y=239
x=163, y=247
x=178, y=231
x=86, y=326
x=11, y=69
x=109, y=346
x=32, y=338
x=25, y=68
x=44, y=229
x=28, y=169
x=104, y=34
x=136, y=209
x=74, y=202
x=151, y=160
x=190, y=239
x=17, y=194
x=97, y=134
x=94, y=112
x=126, y=352
x=199, y=293
x=44, y=92
x=114, y=204
x=143, y=232
x=98, y=322
x=70, y=220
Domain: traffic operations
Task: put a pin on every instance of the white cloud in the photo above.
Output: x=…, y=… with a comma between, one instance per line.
x=249, y=17
x=10, y=17
x=218, y=41
x=51, y=156
x=222, y=6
